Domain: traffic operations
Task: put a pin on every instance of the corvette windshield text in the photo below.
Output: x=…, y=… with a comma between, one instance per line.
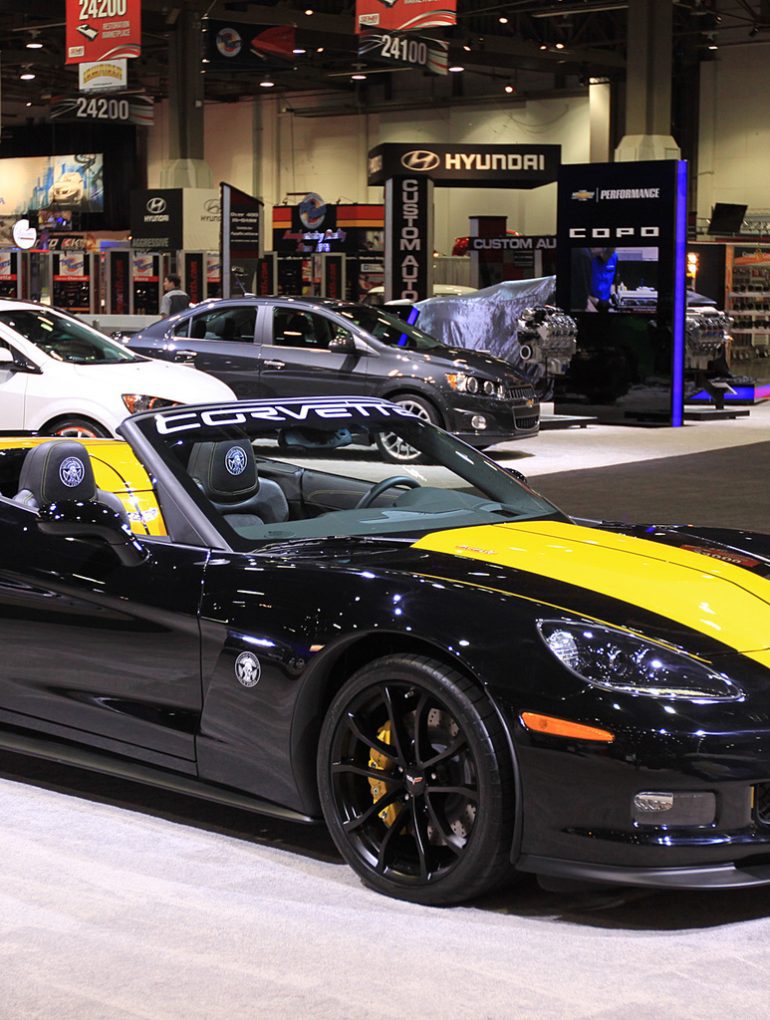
x=279, y=413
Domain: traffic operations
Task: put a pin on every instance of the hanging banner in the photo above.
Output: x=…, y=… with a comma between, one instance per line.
x=103, y=30
x=72, y=182
x=249, y=47
x=399, y=49
x=241, y=240
x=405, y=15
x=123, y=109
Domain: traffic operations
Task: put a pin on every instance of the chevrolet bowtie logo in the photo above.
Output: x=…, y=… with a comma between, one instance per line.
x=583, y=196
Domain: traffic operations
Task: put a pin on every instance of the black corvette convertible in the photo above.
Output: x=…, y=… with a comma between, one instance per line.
x=242, y=602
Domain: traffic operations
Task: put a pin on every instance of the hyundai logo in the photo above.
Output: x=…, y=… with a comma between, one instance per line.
x=420, y=160
x=155, y=206
x=212, y=206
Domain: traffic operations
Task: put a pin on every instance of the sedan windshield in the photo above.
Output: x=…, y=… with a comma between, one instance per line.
x=65, y=339
x=387, y=328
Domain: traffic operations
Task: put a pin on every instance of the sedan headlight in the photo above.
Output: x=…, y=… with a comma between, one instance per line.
x=142, y=402
x=618, y=661
x=462, y=382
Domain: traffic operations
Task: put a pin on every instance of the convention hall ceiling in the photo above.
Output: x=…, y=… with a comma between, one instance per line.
x=505, y=50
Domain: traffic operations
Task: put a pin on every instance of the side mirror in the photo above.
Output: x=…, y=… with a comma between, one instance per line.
x=343, y=344
x=90, y=520
x=10, y=364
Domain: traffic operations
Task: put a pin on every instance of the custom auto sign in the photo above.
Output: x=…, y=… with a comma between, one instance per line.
x=405, y=15
x=493, y=166
x=103, y=30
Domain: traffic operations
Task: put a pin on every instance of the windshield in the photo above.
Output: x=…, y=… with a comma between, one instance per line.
x=388, y=328
x=65, y=339
x=274, y=471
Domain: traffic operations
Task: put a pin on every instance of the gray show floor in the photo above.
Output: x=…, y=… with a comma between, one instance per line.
x=120, y=902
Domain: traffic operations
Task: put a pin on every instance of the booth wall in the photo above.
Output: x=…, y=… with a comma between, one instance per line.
x=267, y=149
x=734, y=146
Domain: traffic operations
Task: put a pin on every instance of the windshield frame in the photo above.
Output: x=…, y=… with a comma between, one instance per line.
x=172, y=433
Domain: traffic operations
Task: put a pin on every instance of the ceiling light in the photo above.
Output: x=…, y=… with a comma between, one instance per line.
x=28, y=103
x=510, y=89
x=267, y=82
x=559, y=45
x=467, y=48
x=503, y=20
x=298, y=51
x=358, y=76
x=319, y=49
x=26, y=74
x=456, y=68
x=543, y=46
x=309, y=12
x=33, y=43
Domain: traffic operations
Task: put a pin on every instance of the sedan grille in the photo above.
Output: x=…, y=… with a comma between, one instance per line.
x=527, y=423
x=521, y=392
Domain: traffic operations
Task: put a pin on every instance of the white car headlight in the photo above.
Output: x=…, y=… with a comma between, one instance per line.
x=142, y=402
x=613, y=659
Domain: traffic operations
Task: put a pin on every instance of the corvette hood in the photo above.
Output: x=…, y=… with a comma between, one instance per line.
x=719, y=599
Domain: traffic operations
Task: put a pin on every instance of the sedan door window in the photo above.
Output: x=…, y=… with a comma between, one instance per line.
x=295, y=328
x=232, y=324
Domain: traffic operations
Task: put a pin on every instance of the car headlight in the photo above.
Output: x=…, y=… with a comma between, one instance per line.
x=142, y=402
x=617, y=661
x=462, y=382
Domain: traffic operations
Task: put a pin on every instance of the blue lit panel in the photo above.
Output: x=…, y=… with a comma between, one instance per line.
x=680, y=255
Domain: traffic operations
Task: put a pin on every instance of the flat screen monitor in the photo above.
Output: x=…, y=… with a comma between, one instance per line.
x=726, y=218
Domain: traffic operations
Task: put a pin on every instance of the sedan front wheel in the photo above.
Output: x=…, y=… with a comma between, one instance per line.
x=416, y=781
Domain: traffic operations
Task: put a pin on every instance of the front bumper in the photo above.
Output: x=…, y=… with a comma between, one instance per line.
x=504, y=421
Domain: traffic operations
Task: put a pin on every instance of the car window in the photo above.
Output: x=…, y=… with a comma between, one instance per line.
x=65, y=339
x=182, y=328
x=293, y=327
x=231, y=323
x=388, y=328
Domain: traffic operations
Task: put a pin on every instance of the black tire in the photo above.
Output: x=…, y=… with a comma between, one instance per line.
x=419, y=740
x=74, y=427
x=395, y=450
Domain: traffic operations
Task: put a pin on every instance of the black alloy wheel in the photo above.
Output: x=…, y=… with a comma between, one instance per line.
x=392, y=447
x=416, y=781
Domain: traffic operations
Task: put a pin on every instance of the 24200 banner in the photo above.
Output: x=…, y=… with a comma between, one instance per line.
x=103, y=29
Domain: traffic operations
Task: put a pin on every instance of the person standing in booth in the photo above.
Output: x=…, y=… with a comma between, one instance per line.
x=174, y=298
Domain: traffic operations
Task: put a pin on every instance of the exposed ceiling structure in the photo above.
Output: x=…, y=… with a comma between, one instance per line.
x=503, y=48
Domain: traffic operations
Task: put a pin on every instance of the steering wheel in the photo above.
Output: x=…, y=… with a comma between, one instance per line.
x=379, y=487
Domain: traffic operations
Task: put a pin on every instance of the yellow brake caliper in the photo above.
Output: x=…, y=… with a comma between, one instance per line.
x=380, y=761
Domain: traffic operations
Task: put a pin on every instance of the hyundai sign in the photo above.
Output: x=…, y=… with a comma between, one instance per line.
x=478, y=166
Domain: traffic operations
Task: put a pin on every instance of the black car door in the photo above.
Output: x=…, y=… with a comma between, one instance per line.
x=99, y=652
x=219, y=339
x=295, y=360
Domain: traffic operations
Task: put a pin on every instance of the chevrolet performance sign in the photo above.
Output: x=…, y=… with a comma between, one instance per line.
x=478, y=166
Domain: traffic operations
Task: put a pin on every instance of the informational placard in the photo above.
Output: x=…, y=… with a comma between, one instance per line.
x=241, y=240
x=103, y=30
x=404, y=49
x=405, y=15
x=514, y=242
x=104, y=74
x=122, y=109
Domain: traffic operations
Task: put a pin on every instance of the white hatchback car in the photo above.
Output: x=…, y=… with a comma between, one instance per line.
x=60, y=377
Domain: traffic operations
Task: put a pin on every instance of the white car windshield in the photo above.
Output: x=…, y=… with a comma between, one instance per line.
x=65, y=339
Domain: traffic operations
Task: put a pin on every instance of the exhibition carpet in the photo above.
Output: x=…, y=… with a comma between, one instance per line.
x=721, y=488
x=118, y=903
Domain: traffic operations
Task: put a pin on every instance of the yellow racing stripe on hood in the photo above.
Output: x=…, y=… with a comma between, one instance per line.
x=712, y=597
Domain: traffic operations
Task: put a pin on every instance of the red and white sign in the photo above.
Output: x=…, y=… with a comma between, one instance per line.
x=405, y=15
x=103, y=30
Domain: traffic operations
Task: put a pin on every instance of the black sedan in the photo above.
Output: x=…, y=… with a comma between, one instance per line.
x=445, y=668
x=297, y=347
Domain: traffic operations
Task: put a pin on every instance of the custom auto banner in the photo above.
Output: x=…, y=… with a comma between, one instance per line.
x=405, y=15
